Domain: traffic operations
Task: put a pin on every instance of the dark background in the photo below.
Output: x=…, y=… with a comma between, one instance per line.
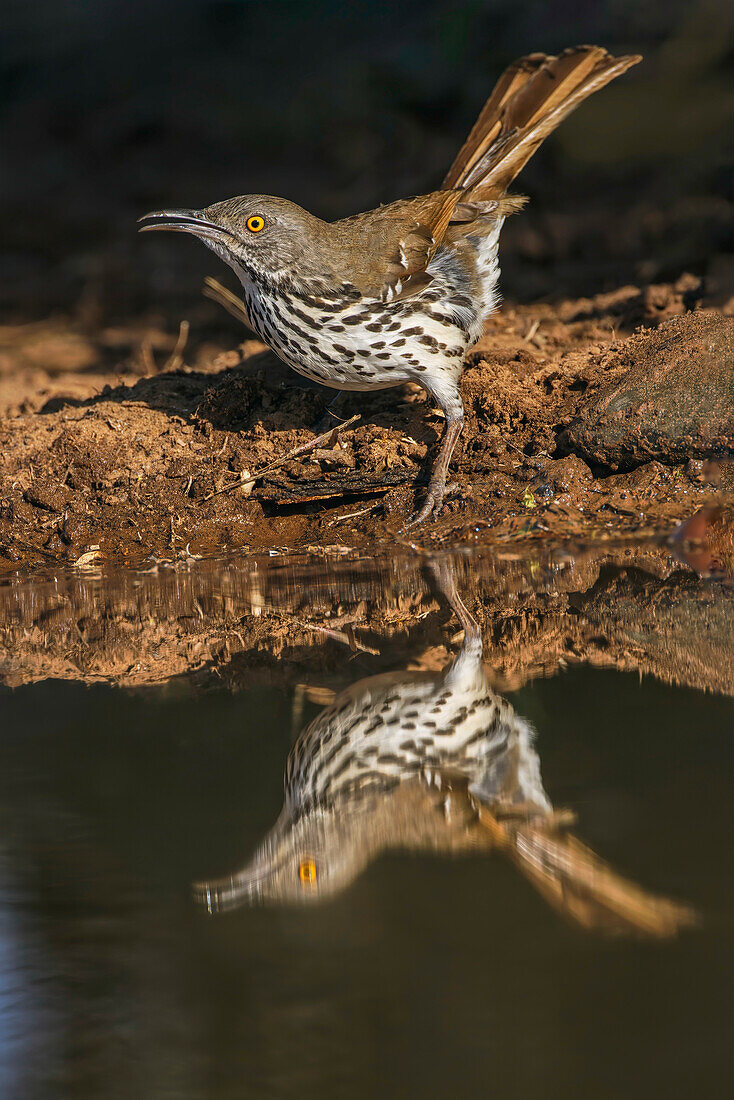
x=111, y=109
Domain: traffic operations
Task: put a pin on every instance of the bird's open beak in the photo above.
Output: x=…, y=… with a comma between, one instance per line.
x=182, y=221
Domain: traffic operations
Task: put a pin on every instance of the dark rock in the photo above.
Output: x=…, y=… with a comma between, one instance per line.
x=675, y=401
x=679, y=629
x=542, y=490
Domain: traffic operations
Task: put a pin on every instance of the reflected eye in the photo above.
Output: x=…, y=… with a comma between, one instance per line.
x=307, y=872
x=255, y=223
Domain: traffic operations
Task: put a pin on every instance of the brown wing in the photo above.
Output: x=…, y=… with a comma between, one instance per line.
x=419, y=234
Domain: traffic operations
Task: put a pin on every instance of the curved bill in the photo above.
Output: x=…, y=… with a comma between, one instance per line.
x=182, y=221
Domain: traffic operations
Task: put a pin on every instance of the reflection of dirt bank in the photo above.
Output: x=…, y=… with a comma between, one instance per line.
x=248, y=620
x=94, y=454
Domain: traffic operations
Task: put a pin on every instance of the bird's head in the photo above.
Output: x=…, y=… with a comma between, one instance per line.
x=254, y=234
x=299, y=862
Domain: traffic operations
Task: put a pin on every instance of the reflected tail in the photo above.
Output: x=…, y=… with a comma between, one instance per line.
x=581, y=886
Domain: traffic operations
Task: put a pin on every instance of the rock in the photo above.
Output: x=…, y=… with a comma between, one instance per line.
x=674, y=402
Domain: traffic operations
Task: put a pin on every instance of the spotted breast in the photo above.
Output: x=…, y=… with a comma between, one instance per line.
x=353, y=341
x=389, y=728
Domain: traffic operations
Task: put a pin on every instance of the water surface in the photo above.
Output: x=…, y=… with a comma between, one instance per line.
x=454, y=940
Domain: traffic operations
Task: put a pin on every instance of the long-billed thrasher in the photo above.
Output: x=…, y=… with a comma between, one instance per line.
x=401, y=293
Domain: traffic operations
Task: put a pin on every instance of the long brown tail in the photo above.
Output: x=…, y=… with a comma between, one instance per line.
x=581, y=886
x=530, y=99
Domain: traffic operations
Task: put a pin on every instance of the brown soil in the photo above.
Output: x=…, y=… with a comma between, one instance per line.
x=130, y=440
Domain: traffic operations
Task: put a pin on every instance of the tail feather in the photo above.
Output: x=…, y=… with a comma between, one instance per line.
x=489, y=124
x=530, y=99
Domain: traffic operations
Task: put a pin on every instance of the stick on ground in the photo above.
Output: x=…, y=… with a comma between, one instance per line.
x=302, y=449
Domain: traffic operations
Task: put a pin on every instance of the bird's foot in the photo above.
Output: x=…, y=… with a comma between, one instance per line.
x=433, y=503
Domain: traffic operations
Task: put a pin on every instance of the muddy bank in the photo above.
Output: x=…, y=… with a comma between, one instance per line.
x=133, y=444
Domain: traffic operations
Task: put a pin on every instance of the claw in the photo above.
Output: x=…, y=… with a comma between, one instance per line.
x=431, y=505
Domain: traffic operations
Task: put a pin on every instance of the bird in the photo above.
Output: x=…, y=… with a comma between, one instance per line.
x=429, y=762
x=399, y=293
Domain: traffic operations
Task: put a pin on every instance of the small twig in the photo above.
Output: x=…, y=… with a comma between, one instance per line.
x=175, y=359
x=307, y=692
x=146, y=354
x=353, y=515
x=531, y=331
x=403, y=540
x=302, y=449
x=225, y=298
x=346, y=637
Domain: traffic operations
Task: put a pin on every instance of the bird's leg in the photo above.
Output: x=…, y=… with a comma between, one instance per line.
x=443, y=571
x=454, y=412
x=467, y=665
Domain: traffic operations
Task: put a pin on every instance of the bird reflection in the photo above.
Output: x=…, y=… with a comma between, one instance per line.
x=431, y=762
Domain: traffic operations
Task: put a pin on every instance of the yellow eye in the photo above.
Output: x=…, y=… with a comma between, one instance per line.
x=255, y=223
x=307, y=872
